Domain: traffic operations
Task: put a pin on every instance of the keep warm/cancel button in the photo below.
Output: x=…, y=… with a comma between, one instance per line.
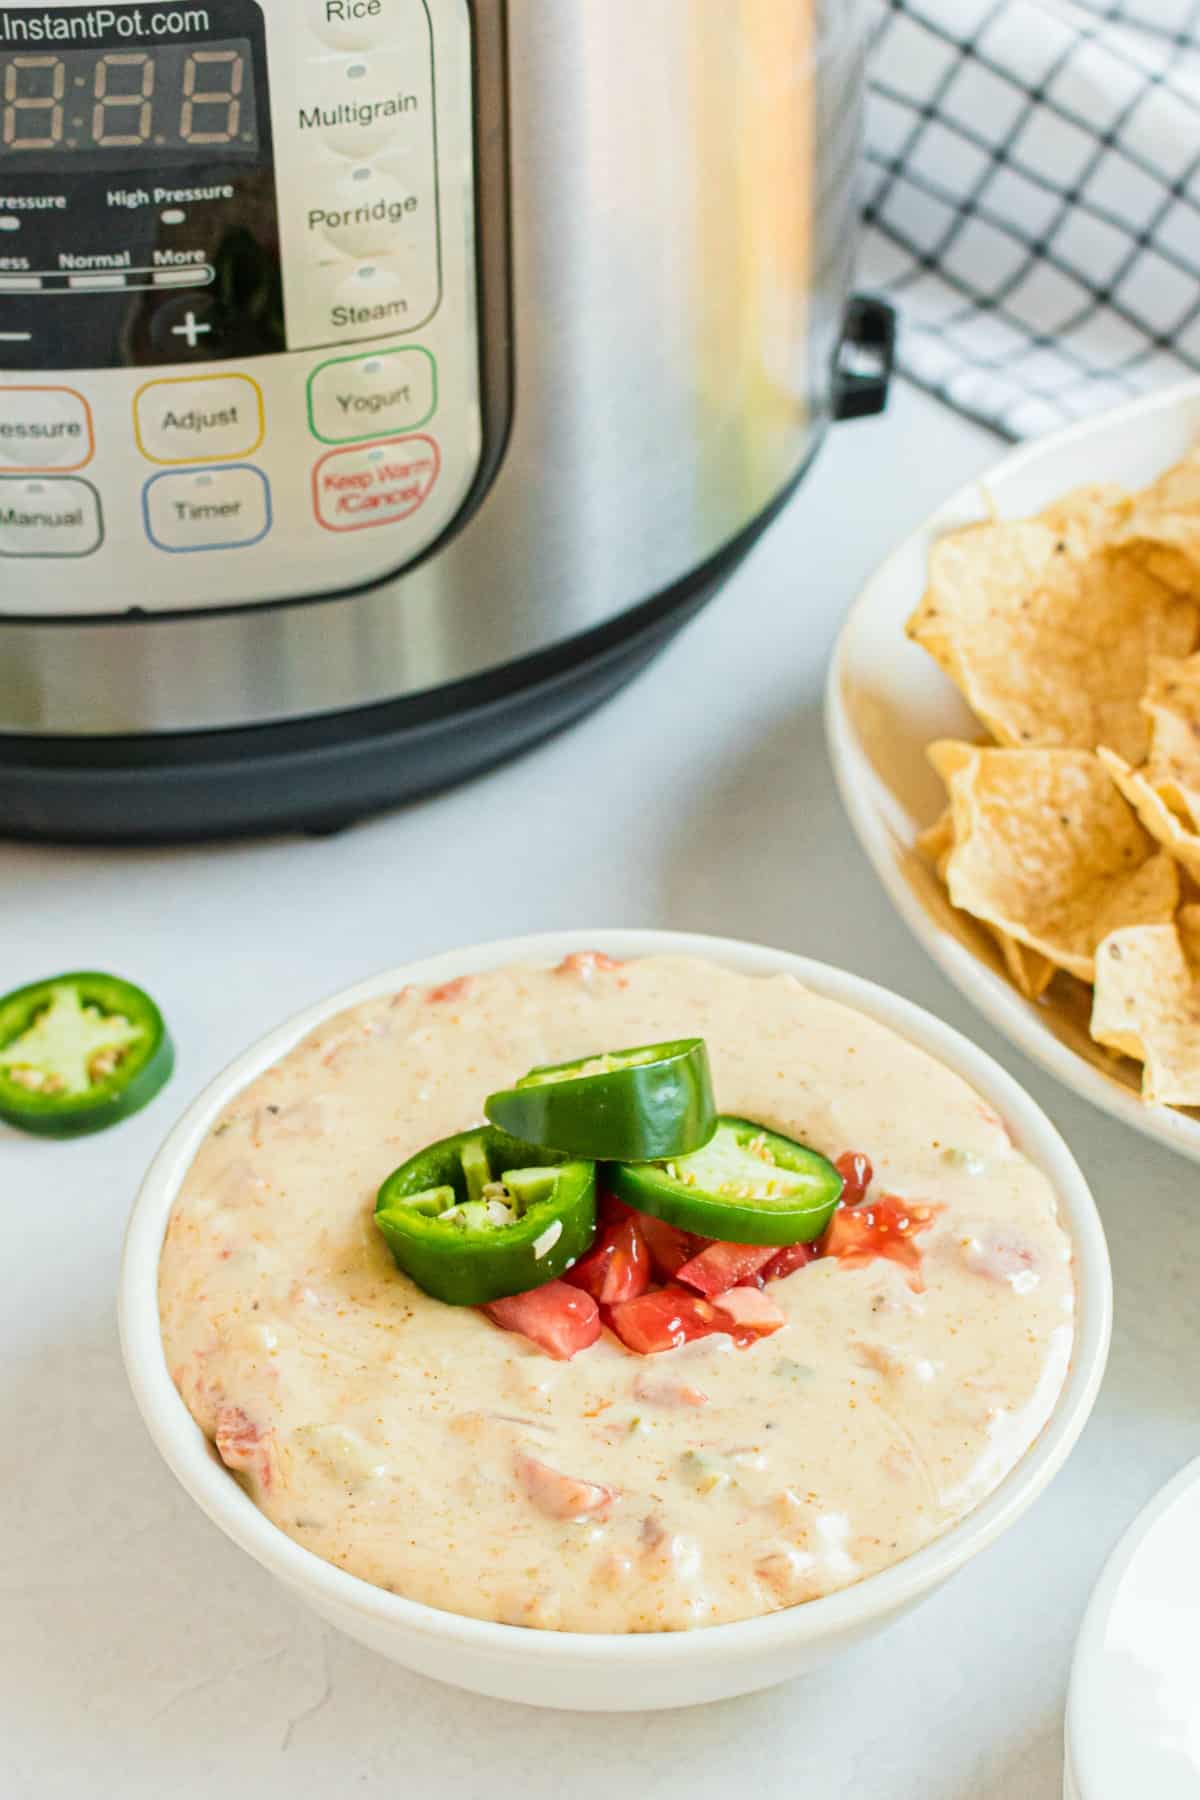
x=378, y=485
x=198, y=418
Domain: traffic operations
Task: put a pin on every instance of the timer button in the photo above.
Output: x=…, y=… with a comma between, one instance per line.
x=198, y=418
x=207, y=509
x=361, y=24
x=44, y=428
x=49, y=517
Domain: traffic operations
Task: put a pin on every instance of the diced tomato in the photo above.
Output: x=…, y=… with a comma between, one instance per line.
x=670, y=1246
x=560, y=1320
x=449, y=990
x=242, y=1445
x=789, y=1259
x=586, y=963
x=562, y=1496
x=663, y=1320
x=720, y=1267
x=668, y=1393
x=885, y=1227
x=617, y=1267
x=750, y=1310
x=856, y=1171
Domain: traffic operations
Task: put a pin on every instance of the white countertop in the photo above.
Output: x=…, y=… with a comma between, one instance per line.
x=142, y=1655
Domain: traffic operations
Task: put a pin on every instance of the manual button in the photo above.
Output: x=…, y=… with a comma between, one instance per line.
x=40, y=517
x=198, y=418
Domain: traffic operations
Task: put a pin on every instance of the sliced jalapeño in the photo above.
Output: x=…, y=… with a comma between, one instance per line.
x=637, y=1105
x=483, y=1215
x=79, y=1052
x=747, y=1185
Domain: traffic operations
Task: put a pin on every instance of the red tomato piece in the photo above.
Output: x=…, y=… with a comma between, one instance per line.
x=663, y=1320
x=563, y=1496
x=750, y=1311
x=670, y=1247
x=449, y=990
x=560, y=1320
x=720, y=1267
x=885, y=1227
x=856, y=1171
x=587, y=962
x=617, y=1267
x=788, y=1260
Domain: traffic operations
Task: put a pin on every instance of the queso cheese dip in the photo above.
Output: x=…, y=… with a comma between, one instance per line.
x=420, y=1447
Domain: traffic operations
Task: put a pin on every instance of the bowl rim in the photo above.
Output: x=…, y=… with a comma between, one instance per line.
x=189, y=1455
x=1015, y=1017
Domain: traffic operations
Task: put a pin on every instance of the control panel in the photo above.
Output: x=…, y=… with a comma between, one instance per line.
x=239, y=321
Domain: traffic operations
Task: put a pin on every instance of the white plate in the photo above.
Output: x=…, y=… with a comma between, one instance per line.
x=1133, y=1714
x=887, y=700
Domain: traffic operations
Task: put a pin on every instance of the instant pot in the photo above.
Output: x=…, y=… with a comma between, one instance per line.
x=383, y=381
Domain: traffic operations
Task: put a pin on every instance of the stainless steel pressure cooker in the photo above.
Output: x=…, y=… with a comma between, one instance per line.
x=382, y=381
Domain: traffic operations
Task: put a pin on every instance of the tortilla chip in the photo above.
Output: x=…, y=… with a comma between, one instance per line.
x=1165, y=520
x=937, y=842
x=1147, y=1005
x=1048, y=631
x=1148, y=801
x=1029, y=971
x=1047, y=851
x=1172, y=704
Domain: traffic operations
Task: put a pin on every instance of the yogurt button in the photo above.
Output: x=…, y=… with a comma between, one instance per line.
x=49, y=517
x=355, y=397
x=43, y=428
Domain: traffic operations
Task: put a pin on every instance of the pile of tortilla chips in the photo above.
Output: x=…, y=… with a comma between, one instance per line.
x=1073, y=834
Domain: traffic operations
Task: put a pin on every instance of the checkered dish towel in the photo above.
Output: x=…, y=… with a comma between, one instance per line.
x=1033, y=200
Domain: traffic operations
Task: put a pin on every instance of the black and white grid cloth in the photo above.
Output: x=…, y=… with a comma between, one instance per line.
x=1033, y=200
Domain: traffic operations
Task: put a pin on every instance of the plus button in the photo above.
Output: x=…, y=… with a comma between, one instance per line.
x=192, y=329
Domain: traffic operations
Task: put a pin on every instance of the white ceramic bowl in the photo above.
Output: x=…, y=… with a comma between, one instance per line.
x=609, y=1672
x=1133, y=1713
x=887, y=700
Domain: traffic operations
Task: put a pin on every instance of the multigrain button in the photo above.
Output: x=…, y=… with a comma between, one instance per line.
x=40, y=516
x=207, y=509
x=356, y=489
x=360, y=107
x=359, y=24
x=198, y=418
x=351, y=398
x=44, y=428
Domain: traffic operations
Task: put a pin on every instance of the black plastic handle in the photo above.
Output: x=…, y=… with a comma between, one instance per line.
x=864, y=358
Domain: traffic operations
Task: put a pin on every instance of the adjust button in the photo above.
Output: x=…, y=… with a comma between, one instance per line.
x=356, y=489
x=198, y=418
x=207, y=509
x=44, y=428
x=49, y=517
x=352, y=398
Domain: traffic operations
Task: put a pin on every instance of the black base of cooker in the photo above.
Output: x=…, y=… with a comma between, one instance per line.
x=319, y=775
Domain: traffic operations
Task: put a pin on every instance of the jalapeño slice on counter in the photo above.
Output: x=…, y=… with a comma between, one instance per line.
x=481, y=1215
x=636, y=1105
x=79, y=1052
x=746, y=1186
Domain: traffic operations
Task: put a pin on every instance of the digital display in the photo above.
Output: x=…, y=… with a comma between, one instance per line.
x=55, y=105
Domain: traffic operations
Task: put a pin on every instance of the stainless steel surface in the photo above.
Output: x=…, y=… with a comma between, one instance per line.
x=683, y=205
